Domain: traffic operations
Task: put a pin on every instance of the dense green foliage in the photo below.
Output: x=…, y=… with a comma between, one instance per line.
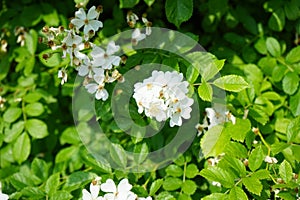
x=256, y=47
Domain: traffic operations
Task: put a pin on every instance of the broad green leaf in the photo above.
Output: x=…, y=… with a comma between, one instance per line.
x=54, y=58
x=261, y=174
x=294, y=55
x=218, y=174
x=172, y=183
x=165, y=196
x=191, y=171
x=240, y=129
x=256, y=158
x=16, y=129
x=52, y=184
x=118, y=155
x=286, y=171
x=205, y=91
x=61, y=195
x=273, y=47
x=281, y=124
x=36, y=128
x=70, y=136
x=233, y=164
x=174, y=170
x=149, y=2
x=30, y=15
x=277, y=20
x=253, y=185
x=5, y=66
x=35, y=192
x=236, y=149
x=77, y=179
x=278, y=72
x=128, y=3
x=32, y=97
x=293, y=130
x=141, y=152
x=294, y=103
x=290, y=83
x=278, y=147
x=236, y=193
x=50, y=15
x=214, y=141
x=258, y=114
x=31, y=40
x=231, y=83
x=29, y=65
x=20, y=180
x=40, y=168
x=155, y=186
x=214, y=196
x=267, y=65
x=66, y=153
x=21, y=148
x=184, y=196
x=291, y=10
x=191, y=74
x=178, y=11
x=189, y=187
x=34, y=109
x=12, y=114
x=260, y=46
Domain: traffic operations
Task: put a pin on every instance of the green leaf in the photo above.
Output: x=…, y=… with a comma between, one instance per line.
x=21, y=148
x=34, y=109
x=12, y=114
x=55, y=58
x=40, y=168
x=218, y=174
x=231, y=83
x=256, y=158
x=16, y=129
x=291, y=10
x=234, y=164
x=77, y=179
x=273, y=47
x=293, y=131
x=236, y=149
x=118, y=155
x=70, y=136
x=191, y=171
x=294, y=103
x=189, y=187
x=214, y=141
x=36, y=128
x=214, y=196
x=52, y=184
x=205, y=91
x=277, y=20
x=61, y=195
x=128, y=3
x=240, y=129
x=35, y=192
x=290, y=83
x=258, y=114
x=278, y=147
x=141, y=152
x=31, y=40
x=178, y=11
x=65, y=154
x=261, y=174
x=174, y=170
x=50, y=15
x=172, y=183
x=294, y=55
x=253, y=185
x=155, y=186
x=149, y=2
x=260, y=46
x=30, y=15
x=286, y=171
x=278, y=72
x=236, y=193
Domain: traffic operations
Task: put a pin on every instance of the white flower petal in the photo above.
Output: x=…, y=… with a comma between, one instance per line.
x=77, y=22
x=108, y=186
x=83, y=70
x=80, y=14
x=86, y=195
x=92, y=87
x=92, y=13
x=112, y=48
x=94, y=190
x=124, y=186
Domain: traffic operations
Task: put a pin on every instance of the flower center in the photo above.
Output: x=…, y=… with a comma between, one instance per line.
x=86, y=21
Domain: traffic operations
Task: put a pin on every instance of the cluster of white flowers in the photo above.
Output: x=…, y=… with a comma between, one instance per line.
x=216, y=116
x=163, y=96
x=98, y=66
x=122, y=191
